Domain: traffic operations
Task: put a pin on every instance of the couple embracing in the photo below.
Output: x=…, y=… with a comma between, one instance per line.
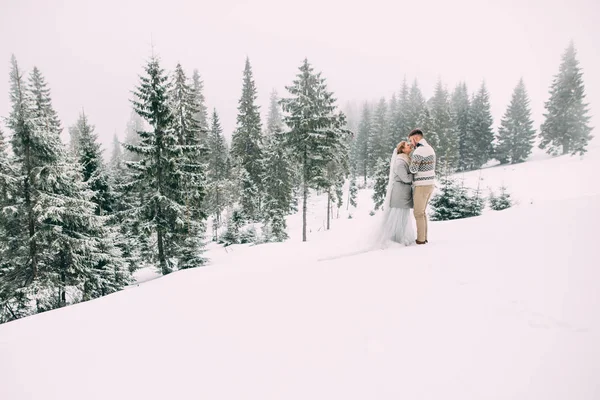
x=411, y=183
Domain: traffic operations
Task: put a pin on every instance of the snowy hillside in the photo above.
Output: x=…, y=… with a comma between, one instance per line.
x=503, y=306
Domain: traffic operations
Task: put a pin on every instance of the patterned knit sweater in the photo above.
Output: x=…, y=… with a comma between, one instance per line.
x=423, y=164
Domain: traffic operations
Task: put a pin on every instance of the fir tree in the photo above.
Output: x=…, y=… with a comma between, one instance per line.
x=392, y=135
x=361, y=151
x=184, y=108
x=232, y=235
x=447, y=147
x=335, y=171
x=110, y=271
x=402, y=127
x=201, y=114
x=275, y=125
x=382, y=174
x=216, y=173
x=7, y=189
x=566, y=127
x=274, y=119
x=352, y=116
x=132, y=136
x=316, y=134
x=516, y=133
x=425, y=122
x=74, y=139
x=414, y=107
x=501, y=202
x=85, y=256
x=116, y=156
x=56, y=242
x=7, y=179
x=246, y=146
x=379, y=138
x=352, y=193
x=279, y=176
x=339, y=194
x=459, y=106
x=480, y=132
x=125, y=200
x=94, y=172
x=167, y=178
x=453, y=201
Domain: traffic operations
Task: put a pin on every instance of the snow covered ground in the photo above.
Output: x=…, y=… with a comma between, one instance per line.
x=503, y=306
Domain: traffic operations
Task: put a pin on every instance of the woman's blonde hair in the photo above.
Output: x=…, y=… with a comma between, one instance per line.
x=401, y=146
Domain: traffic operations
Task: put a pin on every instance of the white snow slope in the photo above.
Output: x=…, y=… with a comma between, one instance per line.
x=503, y=306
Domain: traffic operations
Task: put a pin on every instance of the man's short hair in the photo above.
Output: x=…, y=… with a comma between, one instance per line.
x=415, y=132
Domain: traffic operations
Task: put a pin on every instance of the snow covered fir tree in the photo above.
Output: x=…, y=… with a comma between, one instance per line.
x=278, y=177
x=566, y=127
x=480, y=132
x=516, y=133
x=247, y=147
x=53, y=242
x=168, y=178
x=316, y=132
x=218, y=185
x=361, y=154
x=400, y=124
x=442, y=125
x=91, y=160
x=379, y=137
x=502, y=201
x=382, y=173
x=352, y=193
x=201, y=113
x=459, y=109
x=453, y=201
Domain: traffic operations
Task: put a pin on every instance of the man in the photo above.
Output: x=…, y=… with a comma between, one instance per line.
x=423, y=168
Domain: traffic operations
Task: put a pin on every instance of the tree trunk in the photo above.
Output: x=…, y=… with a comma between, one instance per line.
x=164, y=268
x=304, y=194
x=162, y=260
x=304, y=198
x=63, y=290
x=218, y=217
x=348, y=202
x=565, y=147
x=31, y=227
x=328, y=208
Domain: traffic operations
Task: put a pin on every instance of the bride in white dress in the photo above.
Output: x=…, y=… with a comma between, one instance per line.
x=397, y=220
x=396, y=223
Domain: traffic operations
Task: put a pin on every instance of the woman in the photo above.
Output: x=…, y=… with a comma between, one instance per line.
x=397, y=219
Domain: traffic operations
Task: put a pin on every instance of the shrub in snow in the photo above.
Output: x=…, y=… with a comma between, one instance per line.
x=382, y=174
x=501, y=202
x=352, y=193
x=453, y=201
x=248, y=235
x=275, y=230
x=234, y=224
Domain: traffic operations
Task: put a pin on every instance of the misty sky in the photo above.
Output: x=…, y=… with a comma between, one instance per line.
x=91, y=52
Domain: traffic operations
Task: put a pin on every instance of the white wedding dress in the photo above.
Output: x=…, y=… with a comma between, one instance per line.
x=395, y=225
